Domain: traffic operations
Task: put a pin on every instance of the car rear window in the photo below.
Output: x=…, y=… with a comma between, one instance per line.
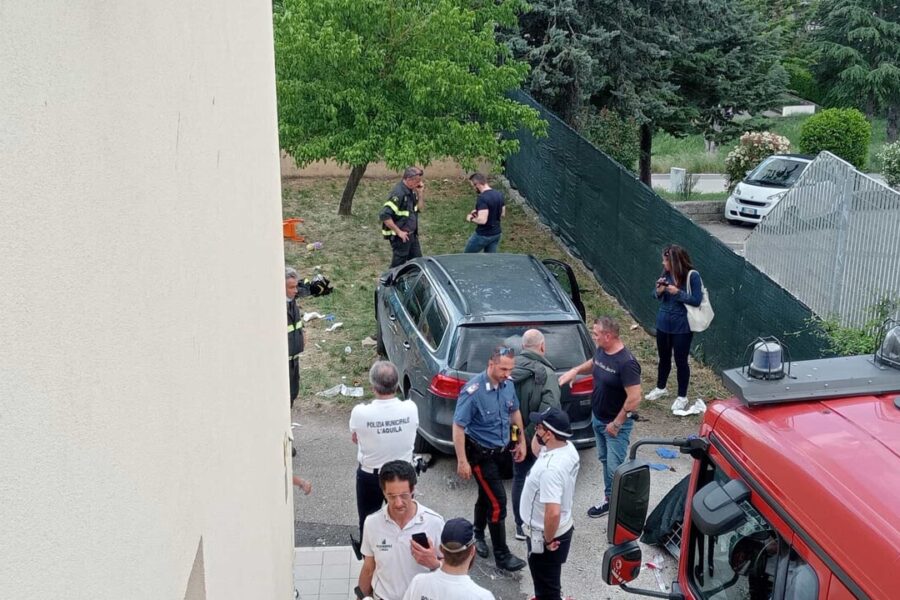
x=565, y=344
x=781, y=172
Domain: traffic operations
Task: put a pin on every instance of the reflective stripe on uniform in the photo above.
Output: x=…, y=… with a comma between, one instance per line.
x=295, y=326
x=387, y=232
x=294, y=357
x=400, y=213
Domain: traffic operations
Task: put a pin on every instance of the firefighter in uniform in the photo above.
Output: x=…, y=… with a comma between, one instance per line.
x=399, y=216
x=486, y=410
x=294, y=331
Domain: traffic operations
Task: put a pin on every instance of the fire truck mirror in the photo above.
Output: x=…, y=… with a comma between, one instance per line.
x=630, y=499
x=621, y=563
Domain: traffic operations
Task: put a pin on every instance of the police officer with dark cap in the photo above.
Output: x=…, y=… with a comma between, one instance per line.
x=399, y=216
x=486, y=409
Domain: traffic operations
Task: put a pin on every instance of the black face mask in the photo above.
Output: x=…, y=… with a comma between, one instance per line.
x=541, y=440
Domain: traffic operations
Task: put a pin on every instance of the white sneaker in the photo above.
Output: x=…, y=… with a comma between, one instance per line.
x=656, y=394
x=680, y=403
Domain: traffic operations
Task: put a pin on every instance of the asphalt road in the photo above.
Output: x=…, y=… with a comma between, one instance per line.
x=326, y=456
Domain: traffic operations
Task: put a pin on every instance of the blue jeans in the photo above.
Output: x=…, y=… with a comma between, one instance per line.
x=611, y=450
x=488, y=243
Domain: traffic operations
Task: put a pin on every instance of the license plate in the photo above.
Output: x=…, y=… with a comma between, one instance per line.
x=750, y=212
x=585, y=402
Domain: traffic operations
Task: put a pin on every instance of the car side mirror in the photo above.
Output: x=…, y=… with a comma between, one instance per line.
x=387, y=278
x=621, y=563
x=629, y=503
x=716, y=509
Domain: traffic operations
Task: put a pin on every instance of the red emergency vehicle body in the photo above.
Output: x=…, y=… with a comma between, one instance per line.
x=826, y=476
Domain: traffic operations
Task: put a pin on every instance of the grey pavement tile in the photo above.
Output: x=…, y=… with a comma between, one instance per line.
x=307, y=589
x=336, y=557
x=334, y=587
x=335, y=572
x=307, y=572
x=307, y=557
x=332, y=597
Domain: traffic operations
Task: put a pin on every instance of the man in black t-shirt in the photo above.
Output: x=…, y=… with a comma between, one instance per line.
x=489, y=208
x=617, y=391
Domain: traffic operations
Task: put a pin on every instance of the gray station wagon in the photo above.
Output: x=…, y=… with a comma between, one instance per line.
x=439, y=317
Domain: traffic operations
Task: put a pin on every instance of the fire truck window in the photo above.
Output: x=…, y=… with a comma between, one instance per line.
x=801, y=583
x=740, y=564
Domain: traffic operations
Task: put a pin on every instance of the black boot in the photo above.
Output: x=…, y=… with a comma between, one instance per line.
x=505, y=559
x=480, y=522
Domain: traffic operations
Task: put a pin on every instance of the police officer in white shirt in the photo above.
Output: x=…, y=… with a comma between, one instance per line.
x=392, y=554
x=546, y=505
x=383, y=430
x=451, y=581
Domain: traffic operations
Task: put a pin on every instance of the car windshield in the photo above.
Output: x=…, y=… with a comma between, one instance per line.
x=777, y=171
x=565, y=345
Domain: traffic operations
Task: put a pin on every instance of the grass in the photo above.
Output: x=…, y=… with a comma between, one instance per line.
x=689, y=152
x=354, y=255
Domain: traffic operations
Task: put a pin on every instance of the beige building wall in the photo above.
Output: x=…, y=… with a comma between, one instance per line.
x=143, y=382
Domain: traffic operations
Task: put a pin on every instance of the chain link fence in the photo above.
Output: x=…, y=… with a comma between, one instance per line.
x=833, y=241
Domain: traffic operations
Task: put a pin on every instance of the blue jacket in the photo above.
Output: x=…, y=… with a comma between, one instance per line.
x=672, y=315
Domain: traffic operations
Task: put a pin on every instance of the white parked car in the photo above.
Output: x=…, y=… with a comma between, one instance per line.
x=763, y=187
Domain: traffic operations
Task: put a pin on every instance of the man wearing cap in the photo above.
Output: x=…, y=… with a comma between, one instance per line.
x=400, y=216
x=392, y=556
x=486, y=409
x=617, y=391
x=383, y=430
x=451, y=581
x=546, y=505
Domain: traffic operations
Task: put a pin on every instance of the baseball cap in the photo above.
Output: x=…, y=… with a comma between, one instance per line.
x=457, y=531
x=553, y=419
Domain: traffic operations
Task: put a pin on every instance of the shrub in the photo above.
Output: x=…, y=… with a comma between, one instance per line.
x=845, y=132
x=751, y=149
x=612, y=133
x=803, y=83
x=890, y=163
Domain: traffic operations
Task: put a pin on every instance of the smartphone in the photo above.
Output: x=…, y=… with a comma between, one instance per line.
x=421, y=539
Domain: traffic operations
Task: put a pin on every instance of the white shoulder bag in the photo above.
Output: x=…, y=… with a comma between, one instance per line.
x=699, y=317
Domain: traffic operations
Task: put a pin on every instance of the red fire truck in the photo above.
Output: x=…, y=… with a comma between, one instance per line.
x=795, y=487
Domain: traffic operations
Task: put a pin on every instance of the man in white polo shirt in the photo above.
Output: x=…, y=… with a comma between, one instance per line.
x=451, y=581
x=383, y=430
x=392, y=556
x=546, y=505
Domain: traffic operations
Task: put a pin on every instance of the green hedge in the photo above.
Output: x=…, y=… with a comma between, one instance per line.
x=845, y=132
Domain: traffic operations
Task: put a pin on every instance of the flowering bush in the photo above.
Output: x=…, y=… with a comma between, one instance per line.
x=752, y=148
x=890, y=163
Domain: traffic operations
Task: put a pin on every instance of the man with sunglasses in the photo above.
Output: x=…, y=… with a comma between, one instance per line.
x=486, y=409
x=392, y=556
x=451, y=581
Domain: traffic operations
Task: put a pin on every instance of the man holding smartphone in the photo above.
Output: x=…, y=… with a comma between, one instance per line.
x=546, y=505
x=392, y=554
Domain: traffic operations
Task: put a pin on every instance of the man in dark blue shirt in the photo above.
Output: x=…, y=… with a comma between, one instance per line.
x=489, y=208
x=617, y=392
x=486, y=408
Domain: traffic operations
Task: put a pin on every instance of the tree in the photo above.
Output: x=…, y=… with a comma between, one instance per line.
x=730, y=66
x=858, y=46
x=403, y=81
x=556, y=39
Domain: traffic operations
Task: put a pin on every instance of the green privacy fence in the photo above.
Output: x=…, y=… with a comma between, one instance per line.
x=618, y=227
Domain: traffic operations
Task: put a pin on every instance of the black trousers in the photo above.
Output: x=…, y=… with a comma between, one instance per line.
x=678, y=344
x=403, y=251
x=368, y=496
x=294, y=376
x=546, y=567
x=520, y=472
x=490, y=507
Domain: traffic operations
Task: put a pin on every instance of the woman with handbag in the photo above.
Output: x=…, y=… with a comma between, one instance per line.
x=678, y=287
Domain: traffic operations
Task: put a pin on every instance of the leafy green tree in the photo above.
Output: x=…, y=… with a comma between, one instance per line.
x=858, y=51
x=403, y=81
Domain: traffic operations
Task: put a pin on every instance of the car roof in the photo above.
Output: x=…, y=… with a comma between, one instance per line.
x=834, y=466
x=803, y=157
x=502, y=284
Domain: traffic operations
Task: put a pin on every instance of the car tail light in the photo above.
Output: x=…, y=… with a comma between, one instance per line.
x=446, y=386
x=583, y=387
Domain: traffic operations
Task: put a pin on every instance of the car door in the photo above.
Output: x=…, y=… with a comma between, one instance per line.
x=565, y=277
x=393, y=314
